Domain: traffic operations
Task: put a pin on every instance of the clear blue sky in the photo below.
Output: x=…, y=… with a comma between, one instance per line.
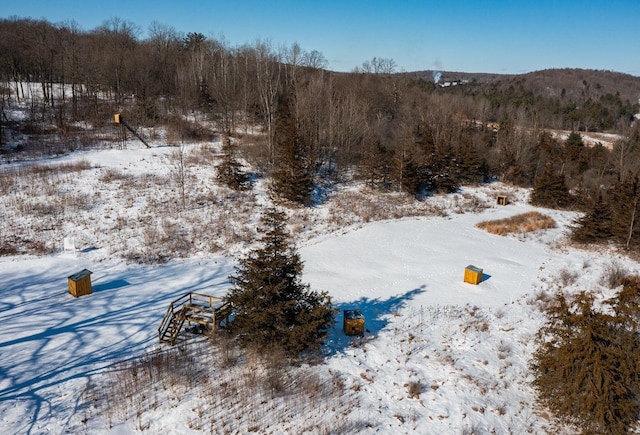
x=500, y=36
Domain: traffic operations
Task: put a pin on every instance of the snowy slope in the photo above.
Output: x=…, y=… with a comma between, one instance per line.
x=50, y=341
x=440, y=355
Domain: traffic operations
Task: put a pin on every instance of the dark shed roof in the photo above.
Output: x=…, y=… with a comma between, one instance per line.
x=78, y=276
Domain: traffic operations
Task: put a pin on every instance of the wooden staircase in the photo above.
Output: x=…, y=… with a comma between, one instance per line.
x=209, y=311
x=171, y=326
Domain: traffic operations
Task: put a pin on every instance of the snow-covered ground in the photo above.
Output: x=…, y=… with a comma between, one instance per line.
x=439, y=356
x=607, y=140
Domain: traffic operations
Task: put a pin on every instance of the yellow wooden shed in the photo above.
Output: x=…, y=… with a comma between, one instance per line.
x=353, y=322
x=473, y=275
x=80, y=283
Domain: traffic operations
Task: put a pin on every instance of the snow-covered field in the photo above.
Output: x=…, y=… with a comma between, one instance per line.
x=607, y=140
x=439, y=356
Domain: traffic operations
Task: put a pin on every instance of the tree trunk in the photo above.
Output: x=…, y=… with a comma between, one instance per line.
x=633, y=221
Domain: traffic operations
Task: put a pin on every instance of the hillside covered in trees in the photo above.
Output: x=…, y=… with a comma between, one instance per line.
x=308, y=127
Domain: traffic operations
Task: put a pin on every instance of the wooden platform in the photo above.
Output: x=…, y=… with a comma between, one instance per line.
x=208, y=311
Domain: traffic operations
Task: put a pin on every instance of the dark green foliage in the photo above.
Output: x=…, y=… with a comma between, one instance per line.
x=272, y=307
x=445, y=174
x=376, y=167
x=575, y=153
x=613, y=217
x=293, y=173
x=586, y=364
x=550, y=190
x=574, y=140
x=416, y=177
x=436, y=173
x=595, y=226
x=471, y=167
x=548, y=145
x=193, y=40
x=625, y=204
x=230, y=171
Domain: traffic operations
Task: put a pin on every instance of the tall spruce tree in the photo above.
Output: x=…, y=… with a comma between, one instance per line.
x=550, y=190
x=575, y=154
x=625, y=207
x=471, y=167
x=376, y=167
x=586, y=364
x=272, y=307
x=230, y=171
x=416, y=175
x=445, y=173
x=594, y=226
x=292, y=178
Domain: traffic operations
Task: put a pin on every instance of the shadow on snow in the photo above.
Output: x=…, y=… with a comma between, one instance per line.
x=51, y=338
x=376, y=313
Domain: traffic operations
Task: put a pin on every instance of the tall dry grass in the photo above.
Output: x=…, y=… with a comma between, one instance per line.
x=230, y=390
x=522, y=223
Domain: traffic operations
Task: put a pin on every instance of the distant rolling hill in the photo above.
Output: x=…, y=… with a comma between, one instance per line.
x=571, y=84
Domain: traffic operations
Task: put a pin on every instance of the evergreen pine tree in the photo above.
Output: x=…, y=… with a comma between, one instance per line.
x=416, y=177
x=471, y=166
x=574, y=141
x=272, y=307
x=293, y=173
x=548, y=145
x=586, y=363
x=550, y=190
x=377, y=166
x=595, y=226
x=230, y=170
x=575, y=154
x=625, y=207
x=445, y=173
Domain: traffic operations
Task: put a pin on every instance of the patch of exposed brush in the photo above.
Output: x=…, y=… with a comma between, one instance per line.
x=521, y=223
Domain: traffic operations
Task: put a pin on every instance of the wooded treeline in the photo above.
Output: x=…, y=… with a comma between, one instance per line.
x=394, y=131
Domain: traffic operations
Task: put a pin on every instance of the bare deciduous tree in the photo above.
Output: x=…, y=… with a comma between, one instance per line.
x=268, y=71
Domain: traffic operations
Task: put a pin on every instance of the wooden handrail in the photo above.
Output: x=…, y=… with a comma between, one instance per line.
x=196, y=303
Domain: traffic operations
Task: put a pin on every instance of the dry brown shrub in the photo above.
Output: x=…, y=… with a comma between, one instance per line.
x=522, y=223
x=59, y=168
x=7, y=181
x=567, y=277
x=180, y=130
x=614, y=274
x=6, y=248
x=351, y=207
x=110, y=175
x=414, y=389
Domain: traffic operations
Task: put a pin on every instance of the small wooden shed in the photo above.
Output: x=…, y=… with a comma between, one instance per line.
x=80, y=283
x=502, y=200
x=473, y=275
x=353, y=322
x=117, y=118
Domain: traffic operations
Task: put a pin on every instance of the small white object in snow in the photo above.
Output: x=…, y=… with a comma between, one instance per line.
x=70, y=244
